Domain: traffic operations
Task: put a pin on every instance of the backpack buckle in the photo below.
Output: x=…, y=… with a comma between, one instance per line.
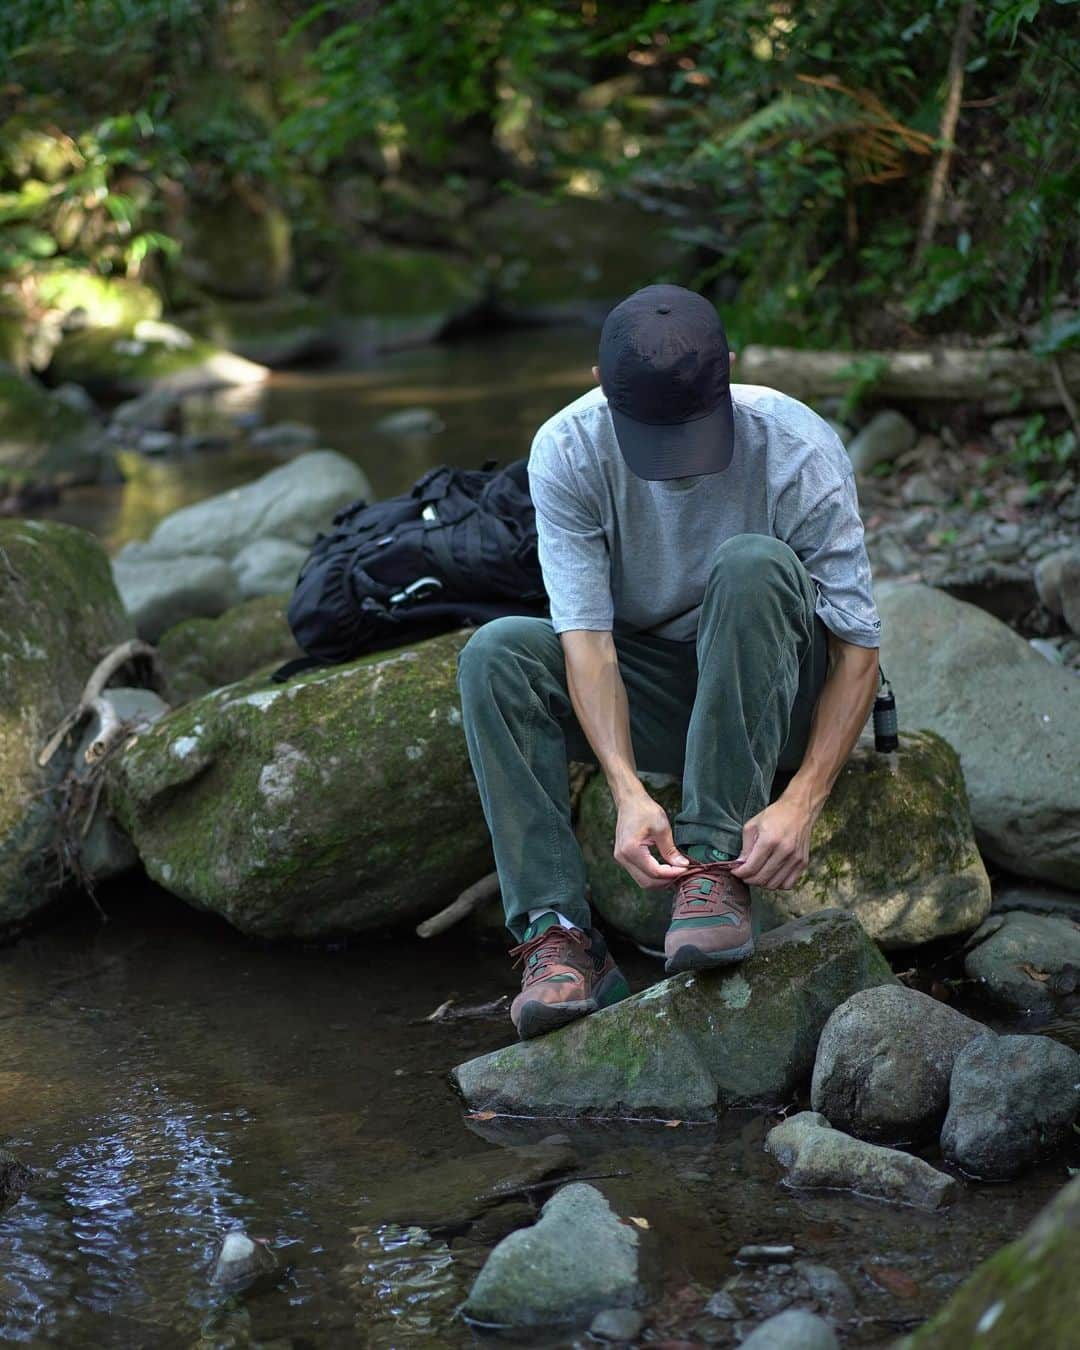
x=419, y=589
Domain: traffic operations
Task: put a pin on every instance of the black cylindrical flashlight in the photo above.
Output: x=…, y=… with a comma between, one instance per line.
x=886, y=736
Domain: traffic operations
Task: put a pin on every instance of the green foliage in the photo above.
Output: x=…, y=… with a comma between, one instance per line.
x=1041, y=453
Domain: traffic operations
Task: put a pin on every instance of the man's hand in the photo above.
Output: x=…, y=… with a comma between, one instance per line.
x=643, y=822
x=776, y=846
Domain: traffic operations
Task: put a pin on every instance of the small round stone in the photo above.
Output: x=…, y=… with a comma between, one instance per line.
x=617, y=1324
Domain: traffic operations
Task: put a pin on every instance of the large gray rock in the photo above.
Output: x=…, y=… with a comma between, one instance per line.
x=1013, y=718
x=268, y=567
x=792, y=1330
x=61, y=610
x=693, y=1042
x=894, y=845
x=1024, y=1295
x=161, y=592
x=816, y=1155
x=577, y=1260
x=1023, y=961
x=885, y=437
x=1057, y=580
x=1012, y=1099
x=293, y=503
x=338, y=803
x=883, y=1064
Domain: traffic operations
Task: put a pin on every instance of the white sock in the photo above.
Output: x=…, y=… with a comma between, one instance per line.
x=535, y=914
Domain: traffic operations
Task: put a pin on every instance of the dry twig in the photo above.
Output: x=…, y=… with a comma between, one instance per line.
x=472, y=897
x=92, y=692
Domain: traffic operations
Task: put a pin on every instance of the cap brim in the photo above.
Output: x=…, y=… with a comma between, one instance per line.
x=705, y=445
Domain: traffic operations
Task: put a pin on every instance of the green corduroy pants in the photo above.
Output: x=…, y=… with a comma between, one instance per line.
x=727, y=713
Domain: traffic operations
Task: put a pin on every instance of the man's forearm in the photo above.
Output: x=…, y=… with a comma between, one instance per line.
x=598, y=696
x=839, y=716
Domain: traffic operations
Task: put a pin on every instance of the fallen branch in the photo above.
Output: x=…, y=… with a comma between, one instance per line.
x=935, y=197
x=471, y=898
x=92, y=692
x=1001, y=378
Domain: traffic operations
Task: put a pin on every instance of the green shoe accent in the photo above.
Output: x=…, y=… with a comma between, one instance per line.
x=706, y=921
x=706, y=853
x=542, y=924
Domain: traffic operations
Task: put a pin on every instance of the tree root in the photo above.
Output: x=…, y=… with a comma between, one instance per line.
x=91, y=698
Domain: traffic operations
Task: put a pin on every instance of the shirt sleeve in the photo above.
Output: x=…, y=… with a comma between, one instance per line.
x=573, y=554
x=828, y=540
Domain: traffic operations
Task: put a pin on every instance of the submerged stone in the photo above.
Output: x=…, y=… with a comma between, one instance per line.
x=241, y=1261
x=795, y=1329
x=578, y=1259
x=15, y=1177
x=1024, y=1295
x=816, y=1155
x=340, y=802
x=61, y=612
x=692, y=1043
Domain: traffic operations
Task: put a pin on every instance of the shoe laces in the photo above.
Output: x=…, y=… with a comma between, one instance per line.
x=716, y=872
x=548, y=948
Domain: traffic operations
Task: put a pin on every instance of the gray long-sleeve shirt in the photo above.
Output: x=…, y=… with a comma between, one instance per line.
x=626, y=554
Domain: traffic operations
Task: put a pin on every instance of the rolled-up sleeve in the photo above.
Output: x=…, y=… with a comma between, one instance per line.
x=573, y=553
x=828, y=540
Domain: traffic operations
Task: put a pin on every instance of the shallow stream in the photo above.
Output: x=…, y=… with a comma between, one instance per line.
x=171, y=1080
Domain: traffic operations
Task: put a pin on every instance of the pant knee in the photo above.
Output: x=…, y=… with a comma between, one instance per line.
x=750, y=560
x=495, y=645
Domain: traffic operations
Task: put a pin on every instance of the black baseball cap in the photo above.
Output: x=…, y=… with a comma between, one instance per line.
x=665, y=370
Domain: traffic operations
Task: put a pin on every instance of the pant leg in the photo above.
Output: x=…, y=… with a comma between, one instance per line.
x=521, y=731
x=762, y=657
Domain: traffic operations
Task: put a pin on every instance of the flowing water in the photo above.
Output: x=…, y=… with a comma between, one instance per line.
x=170, y=1080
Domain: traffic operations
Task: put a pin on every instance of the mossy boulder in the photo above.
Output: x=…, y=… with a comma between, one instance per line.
x=43, y=438
x=61, y=611
x=28, y=150
x=105, y=302
x=239, y=247
x=338, y=803
x=894, y=845
x=203, y=654
x=693, y=1043
x=116, y=363
x=1024, y=1295
x=281, y=330
x=570, y=257
x=398, y=296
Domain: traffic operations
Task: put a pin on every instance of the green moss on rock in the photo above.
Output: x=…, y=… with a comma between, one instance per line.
x=340, y=802
x=61, y=610
x=401, y=295
x=894, y=844
x=1024, y=1295
x=113, y=363
x=692, y=1043
x=203, y=654
x=43, y=438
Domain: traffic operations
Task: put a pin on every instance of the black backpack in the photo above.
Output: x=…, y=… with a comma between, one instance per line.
x=458, y=548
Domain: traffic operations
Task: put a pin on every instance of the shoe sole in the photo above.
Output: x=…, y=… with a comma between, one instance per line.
x=537, y=1019
x=693, y=958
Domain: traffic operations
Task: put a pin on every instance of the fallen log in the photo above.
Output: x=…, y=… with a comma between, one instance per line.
x=1002, y=379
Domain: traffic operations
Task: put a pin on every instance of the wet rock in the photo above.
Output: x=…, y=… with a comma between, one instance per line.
x=1035, y=899
x=1057, y=580
x=884, y=438
x=240, y=1262
x=571, y=258
x=400, y=296
x=105, y=851
x=884, y=1061
x=268, y=567
x=159, y=593
x=579, y=1259
x=894, y=845
x=45, y=439
x=159, y=410
x=15, y=1177
x=1024, y=1295
x=829, y=1289
x=294, y=810
x=204, y=654
x=281, y=330
x=1013, y=719
x=285, y=436
x=411, y=422
x=792, y=1330
x=693, y=1042
x=292, y=503
x=1016, y=957
x=617, y=1325
x=816, y=1155
x=158, y=442
x=118, y=363
x=1012, y=1099
x=61, y=610
x=722, y=1306
x=448, y=1196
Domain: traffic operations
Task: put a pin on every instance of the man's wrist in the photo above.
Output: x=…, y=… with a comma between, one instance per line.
x=808, y=792
x=625, y=787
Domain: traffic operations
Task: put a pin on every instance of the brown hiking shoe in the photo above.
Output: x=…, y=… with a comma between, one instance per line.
x=567, y=973
x=710, y=919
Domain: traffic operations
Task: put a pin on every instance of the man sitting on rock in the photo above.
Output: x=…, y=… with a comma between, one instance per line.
x=711, y=617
